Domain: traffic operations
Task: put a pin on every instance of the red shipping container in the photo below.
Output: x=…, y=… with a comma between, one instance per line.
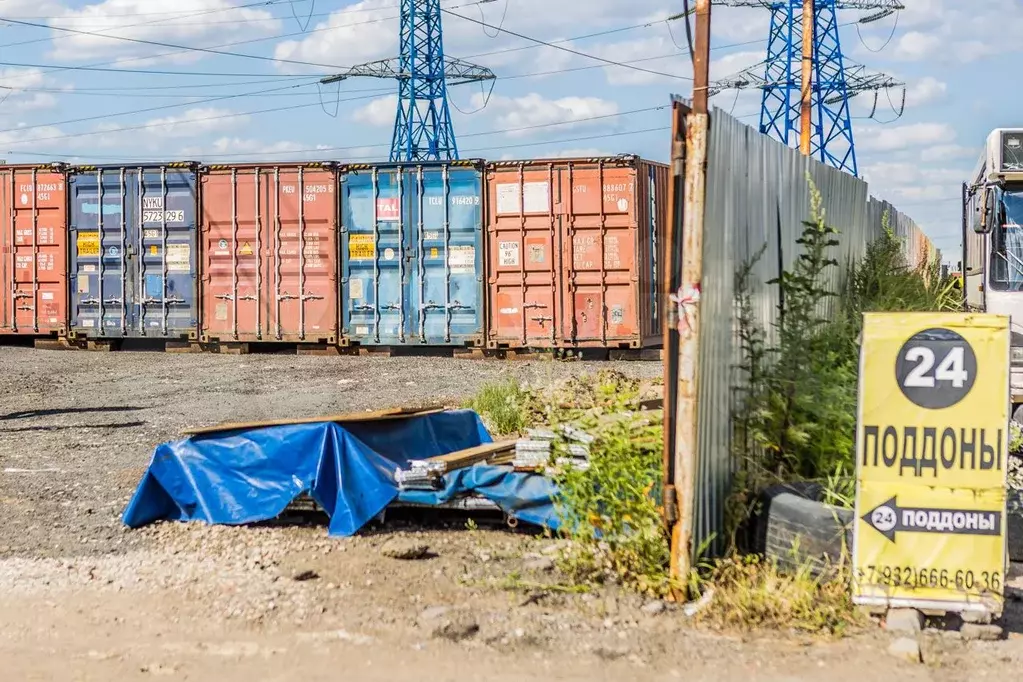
x=33, y=250
x=574, y=247
x=269, y=241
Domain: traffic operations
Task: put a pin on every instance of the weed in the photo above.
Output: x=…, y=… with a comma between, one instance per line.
x=750, y=593
x=502, y=406
x=796, y=418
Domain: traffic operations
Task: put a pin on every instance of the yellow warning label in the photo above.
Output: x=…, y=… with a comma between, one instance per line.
x=154, y=250
x=88, y=244
x=361, y=247
x=434, y=253
x=245, y=250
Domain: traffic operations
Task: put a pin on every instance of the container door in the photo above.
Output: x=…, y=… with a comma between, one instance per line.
x=525, y=267
x=601, y=300
x=101, y=278
x=374, y=257
x=446, y=292
x=234, y=215
x=301, y=237
x=164, y=295
x=33, y=243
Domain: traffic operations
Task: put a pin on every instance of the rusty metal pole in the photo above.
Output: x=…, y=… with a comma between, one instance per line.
x=688, y=301
x=806, y=103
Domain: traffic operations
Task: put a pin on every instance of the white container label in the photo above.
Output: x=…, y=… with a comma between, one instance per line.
x=535, y=197
x=462, y=260
x=509, y=254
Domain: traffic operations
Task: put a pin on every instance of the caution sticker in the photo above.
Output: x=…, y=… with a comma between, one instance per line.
x=931, y=453
x=361, y=247
x=88, y=244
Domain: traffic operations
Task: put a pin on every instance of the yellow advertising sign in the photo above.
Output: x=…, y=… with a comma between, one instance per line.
x=931, y=453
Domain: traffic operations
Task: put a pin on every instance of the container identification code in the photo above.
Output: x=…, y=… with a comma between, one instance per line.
x=88, y=244
x=361, y=247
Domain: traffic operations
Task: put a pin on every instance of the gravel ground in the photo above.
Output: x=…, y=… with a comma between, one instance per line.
x=82, y=598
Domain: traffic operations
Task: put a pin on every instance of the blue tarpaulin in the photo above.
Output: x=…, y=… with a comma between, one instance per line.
x=251, y=475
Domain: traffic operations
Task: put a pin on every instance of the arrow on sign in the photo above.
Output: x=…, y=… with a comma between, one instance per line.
x=889, y=518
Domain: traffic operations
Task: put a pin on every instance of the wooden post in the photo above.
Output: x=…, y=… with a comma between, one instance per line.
x=688, y=301
x=806, y=104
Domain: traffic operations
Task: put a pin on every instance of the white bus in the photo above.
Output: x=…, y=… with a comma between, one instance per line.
x=993, y=241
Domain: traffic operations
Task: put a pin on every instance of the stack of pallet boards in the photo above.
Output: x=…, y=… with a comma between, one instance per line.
x=426, y=474
x=568, y=447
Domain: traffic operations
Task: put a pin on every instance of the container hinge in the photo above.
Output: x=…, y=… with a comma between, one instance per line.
x=670, y=505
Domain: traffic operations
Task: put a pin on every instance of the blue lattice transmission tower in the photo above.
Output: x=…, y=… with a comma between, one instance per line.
x=806, y=82
x=422, y=124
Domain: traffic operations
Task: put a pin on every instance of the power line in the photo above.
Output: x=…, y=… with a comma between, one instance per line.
x=220, y=10
x=545, y=43
x=161, y=124
x=183, y=48
x=485, y=133
x=162, y=107
x=50, y=68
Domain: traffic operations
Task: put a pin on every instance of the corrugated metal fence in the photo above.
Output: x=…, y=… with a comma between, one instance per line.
x=758, y=197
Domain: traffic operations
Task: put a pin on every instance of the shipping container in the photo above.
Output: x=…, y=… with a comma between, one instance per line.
x=133, y=251
x=33, y=250
x=573, y=248
x=269, y=240
x=412, y=256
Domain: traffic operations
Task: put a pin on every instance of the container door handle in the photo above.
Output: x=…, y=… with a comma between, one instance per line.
x=111, y=300
x=89, y=301
x=147, y=301
x=230, y=297
x=390, y=306
x=312, y=297
x=365, y=307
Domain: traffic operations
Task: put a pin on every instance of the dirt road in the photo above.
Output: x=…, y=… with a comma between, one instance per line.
x=82, y=598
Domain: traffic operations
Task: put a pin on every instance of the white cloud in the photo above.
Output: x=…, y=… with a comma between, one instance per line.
x=20, y=91
x=535, y=110
x=916, y=45
x=190, y=123
x=925, y=91
x=188, y=22
x=895, y=138
x=242, y=148
x=379, y=112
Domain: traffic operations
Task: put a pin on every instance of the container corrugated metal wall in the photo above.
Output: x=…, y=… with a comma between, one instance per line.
x=133, y=252
x=33, y=250
x=269, y=253
x=412, y=254
x=764, y=203
x=573, y=248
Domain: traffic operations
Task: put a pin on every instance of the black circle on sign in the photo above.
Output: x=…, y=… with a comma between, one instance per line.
x=936, y=368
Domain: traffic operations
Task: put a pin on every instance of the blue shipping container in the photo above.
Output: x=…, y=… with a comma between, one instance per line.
x=132, y=243
x=412, y=254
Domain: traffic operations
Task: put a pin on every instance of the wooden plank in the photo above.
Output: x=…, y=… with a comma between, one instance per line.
x=470, y=456
x=376, y=415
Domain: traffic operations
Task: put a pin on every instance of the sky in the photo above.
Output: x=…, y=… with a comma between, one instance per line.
x=238, y=80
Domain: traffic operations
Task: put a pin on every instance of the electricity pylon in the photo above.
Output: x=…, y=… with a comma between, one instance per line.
x=422, y=124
